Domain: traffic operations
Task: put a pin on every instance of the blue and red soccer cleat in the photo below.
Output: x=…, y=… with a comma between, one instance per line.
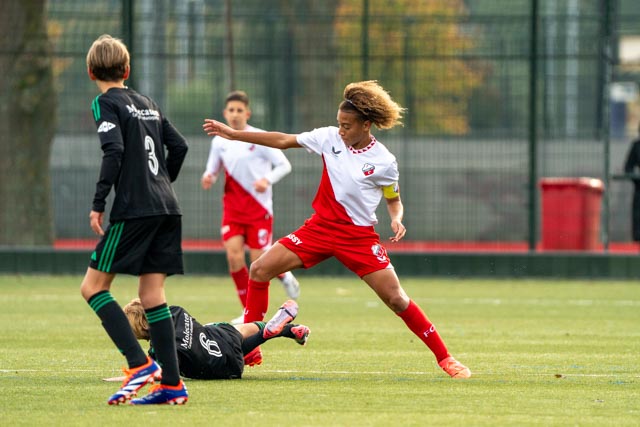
x=136, y=378
x=162, y=394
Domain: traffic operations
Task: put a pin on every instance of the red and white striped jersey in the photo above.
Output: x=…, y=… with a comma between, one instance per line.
x=244, y=164
x=351, y=186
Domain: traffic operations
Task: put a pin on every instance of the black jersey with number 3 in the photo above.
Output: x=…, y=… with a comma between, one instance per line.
x=142, y=154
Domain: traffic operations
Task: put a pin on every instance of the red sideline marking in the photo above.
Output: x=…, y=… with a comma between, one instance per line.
x=407, y=246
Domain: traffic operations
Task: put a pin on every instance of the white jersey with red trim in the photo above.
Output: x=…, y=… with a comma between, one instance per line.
x=351, y=186
x=244, y=164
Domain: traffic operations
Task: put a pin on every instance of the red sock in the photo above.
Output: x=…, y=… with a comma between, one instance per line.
x=417, y=321
x=257, y=301
x=241, y=279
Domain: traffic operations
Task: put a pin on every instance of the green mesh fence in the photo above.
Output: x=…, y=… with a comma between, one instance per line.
x=462, y=68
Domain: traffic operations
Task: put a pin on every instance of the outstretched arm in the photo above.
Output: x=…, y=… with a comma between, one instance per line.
x=278, y=140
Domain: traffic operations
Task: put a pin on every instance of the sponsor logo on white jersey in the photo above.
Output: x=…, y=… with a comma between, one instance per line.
x=105, y=127
x=368, y=169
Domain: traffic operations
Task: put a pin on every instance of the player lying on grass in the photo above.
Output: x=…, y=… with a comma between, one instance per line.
x=217, y=350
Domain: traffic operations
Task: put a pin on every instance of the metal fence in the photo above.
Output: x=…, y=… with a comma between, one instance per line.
x=500, y=93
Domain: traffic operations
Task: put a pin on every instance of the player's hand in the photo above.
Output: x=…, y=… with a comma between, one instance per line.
x=398, y=228
x=207, y=181
x=214, y=127
x=261, y=185
x=95, y=221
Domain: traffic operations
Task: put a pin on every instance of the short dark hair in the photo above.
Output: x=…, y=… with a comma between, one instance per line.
x=237, y=95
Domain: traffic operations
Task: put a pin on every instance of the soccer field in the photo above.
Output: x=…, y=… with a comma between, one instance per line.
x=552, y=353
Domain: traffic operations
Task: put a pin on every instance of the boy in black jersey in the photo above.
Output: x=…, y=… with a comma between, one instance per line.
x=217, y=350
x=142, y=156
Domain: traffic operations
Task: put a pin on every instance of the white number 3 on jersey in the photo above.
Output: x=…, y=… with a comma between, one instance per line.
x=151, y=151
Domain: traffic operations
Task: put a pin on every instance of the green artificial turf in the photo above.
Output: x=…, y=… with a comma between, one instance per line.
x=546, y=353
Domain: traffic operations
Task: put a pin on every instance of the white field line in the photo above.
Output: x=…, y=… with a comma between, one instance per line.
x=539, y=302
x=382, y=373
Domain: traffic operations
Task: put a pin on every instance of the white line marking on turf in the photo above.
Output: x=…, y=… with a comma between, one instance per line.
x=538, y=302
x=400, y=374
x=485, y=374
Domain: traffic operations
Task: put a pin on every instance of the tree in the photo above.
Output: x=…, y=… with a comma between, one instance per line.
x=27, y=124
x=416, y=49
x=300, y=60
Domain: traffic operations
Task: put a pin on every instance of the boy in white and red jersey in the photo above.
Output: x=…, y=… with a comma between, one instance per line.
x=358, y=172
x=247, y=218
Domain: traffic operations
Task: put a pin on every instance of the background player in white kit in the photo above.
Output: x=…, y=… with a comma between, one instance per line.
x=247, y=217
x=358, y=171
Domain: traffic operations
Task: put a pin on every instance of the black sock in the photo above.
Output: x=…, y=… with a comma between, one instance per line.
x=115, y=322
x=163, y=339
x=253, y=341
x=286, y=331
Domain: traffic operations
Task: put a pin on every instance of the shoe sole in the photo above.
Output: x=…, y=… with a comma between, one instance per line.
x=175, y=401
x=462, y=375
x=450, y=369
x=285, y=314
x=126, y=397
x=146, y=379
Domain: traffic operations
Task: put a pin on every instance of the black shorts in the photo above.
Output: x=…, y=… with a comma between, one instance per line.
x=234, y=357
x=141, y=246
x=217, y=355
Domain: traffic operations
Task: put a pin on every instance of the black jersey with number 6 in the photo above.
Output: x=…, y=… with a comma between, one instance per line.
x=142, y=154
x=206, y=352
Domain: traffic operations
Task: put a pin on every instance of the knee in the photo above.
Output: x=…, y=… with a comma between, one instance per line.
x=398, y=302
x=259, y=272
x=89, y=289
x=94, y=282
x=235, y=259
x=85, y=291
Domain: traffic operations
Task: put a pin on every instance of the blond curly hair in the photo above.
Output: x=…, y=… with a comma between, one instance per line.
x=137, y=319
x=372, y=102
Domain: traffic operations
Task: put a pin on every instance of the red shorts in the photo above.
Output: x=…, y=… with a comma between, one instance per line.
x=357, y=248
x=257, y=235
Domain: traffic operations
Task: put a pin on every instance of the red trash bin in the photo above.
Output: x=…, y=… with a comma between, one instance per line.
x=571, y=213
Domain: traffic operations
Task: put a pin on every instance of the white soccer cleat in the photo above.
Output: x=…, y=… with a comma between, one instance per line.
x=238, y=320
x=290, y=284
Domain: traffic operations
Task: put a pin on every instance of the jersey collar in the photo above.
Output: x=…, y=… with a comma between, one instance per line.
x=367, y=148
